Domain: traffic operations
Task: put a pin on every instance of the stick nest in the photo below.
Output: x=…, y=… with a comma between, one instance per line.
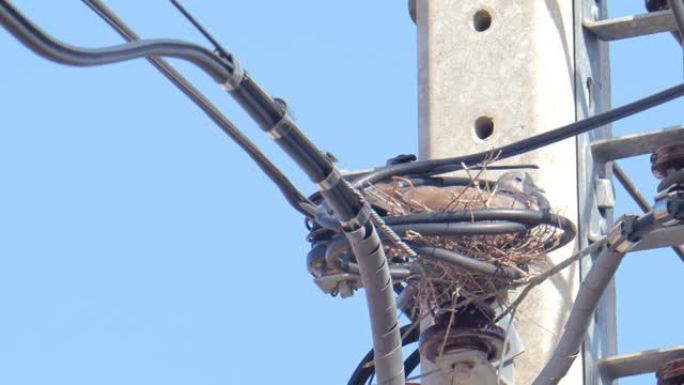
x=445, y=288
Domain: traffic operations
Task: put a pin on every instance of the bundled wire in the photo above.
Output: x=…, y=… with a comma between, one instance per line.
x=365, y=370
x=272, y=116
x=348, y=208
x=295, y=198
x=457, y=223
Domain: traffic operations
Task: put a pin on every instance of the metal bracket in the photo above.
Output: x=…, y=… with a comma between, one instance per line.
x=592, y=90
x=605, y=195
x=632, y=26
x=637, y=363
x=344, y=284
x=619, y=238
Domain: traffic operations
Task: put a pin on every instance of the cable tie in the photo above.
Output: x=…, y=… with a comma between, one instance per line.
x=236, y=77
x=360, y=219
x=330, y=181
x=282, y=128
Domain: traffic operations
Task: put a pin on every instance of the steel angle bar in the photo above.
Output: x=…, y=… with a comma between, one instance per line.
x=636, y=144
x=637, y=363
x=632, y=26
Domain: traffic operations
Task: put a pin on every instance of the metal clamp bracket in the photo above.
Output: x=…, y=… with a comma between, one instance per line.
x=281, y=128
x=619, y=237
x=669, y=203
x=359, y=220
x=236, y=77
x=330, y=181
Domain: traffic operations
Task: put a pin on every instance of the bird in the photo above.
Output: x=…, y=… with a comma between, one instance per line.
x=520, y=185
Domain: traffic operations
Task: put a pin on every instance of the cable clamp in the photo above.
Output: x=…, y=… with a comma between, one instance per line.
x=330, y=181
x=282, y=128
x=668, y=203
x=236, y=77
x=359, y=220
x=619, y=238
x=660, y=210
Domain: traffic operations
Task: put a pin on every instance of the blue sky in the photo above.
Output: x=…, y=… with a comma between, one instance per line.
x=139, y=245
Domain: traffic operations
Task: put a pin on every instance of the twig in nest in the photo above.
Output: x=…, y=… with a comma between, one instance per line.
x=539, y=278
x=451, y=322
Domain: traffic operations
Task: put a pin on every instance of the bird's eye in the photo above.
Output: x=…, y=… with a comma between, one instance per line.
x=518, y=179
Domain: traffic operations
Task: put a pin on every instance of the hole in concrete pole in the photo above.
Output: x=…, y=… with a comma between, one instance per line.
x=482, y=20
x=484, y=127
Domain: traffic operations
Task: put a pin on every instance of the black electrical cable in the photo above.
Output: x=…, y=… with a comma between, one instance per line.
x=219, y=48
x=340, y=246
x=522, y=216
x=33, y=37
x=296, y=199
x=411, y=362
x=273, y=119
x=527, y=216
x=471, y=222
x=437, y=166
x=461, y=228
x=467, y=263
x=365, y=369
x=459, y=223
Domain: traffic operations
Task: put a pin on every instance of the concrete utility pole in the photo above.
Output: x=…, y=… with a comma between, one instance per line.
x=492, y=72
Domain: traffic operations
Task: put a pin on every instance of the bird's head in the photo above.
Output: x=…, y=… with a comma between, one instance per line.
x=518, y=182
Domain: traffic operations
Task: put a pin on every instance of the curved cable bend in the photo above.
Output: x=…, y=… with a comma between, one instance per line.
x=264, y=109
x=52, y=49
x=294, y=197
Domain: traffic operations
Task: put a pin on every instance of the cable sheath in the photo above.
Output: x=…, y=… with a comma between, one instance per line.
x=296, y=199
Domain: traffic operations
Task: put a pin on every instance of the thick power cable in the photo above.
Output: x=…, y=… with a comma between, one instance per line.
x=293, y=196
x=348, y=206
x=272, y=116
x=31, y=36
x=365, y=369
x=437, y=166
x=626, y=233
x=588, y=296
